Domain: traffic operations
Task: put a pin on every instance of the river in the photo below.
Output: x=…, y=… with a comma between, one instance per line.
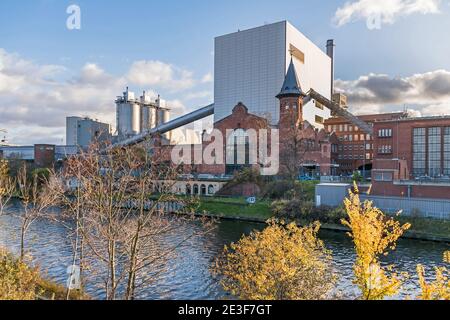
x=188, y=274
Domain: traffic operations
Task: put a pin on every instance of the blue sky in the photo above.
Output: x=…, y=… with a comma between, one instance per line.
x=409, y=51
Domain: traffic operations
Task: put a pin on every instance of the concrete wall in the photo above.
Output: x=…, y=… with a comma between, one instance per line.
x=331, y=194
x=334, y=194
x=432, y=208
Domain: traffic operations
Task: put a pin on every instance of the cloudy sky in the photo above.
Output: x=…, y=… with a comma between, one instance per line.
x=390, y=54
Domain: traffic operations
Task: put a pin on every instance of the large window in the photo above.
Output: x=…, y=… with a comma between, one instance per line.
x=447, y=151
x=237, y=142
x=434, y=151
x=419, y=151
x=383, y=176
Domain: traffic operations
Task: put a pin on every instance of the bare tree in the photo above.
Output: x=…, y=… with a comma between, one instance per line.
x=36, y=198
x=6, y=186
x=123, y=200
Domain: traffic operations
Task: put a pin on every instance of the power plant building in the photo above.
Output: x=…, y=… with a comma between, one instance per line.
x=250, y=67
x=85, y=131
x=137, y=115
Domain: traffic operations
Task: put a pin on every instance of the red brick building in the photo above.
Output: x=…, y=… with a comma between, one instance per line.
x=356, y=147
x=412, y=158
x=316, y=150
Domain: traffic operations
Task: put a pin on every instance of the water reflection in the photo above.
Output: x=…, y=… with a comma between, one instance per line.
x=188, y=275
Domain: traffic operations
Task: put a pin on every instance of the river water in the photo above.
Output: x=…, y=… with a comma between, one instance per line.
x=187, y=275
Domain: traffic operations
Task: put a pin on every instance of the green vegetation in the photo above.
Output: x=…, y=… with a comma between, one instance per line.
x=235, y=207
x=429, y=226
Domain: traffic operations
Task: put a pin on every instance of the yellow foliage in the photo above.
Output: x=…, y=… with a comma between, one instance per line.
x=439, y=289
x=373, y=234
x=17, y=280
x=282, y=262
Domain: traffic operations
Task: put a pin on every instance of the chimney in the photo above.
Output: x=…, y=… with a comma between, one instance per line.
x=330, y=53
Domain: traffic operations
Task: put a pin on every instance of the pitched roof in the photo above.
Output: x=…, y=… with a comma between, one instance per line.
x=291, y=85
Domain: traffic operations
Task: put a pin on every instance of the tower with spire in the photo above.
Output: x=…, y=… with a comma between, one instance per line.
x=291, y=100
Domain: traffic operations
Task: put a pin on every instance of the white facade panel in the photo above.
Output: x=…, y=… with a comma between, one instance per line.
x=314, y=73
x=250, y=67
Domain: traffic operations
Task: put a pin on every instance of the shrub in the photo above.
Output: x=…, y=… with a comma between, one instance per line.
x=17, y=280
x=306, y=211
x=282, y=262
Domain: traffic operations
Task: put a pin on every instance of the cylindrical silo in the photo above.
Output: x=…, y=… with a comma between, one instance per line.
x=124, y=116
x=136, y=118
x=145, y=118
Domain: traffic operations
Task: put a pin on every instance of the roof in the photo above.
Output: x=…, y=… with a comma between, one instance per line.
x=291, y=85
x=378, y=117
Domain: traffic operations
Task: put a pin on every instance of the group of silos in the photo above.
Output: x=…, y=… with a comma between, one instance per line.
x=135, y=116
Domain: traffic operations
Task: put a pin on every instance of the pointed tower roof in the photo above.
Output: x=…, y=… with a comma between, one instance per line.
x=291, y=86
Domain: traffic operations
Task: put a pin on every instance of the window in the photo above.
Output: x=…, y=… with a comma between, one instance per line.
x=236, y=143
x=195, y=189
x=203, y=189
x=356, y=137
x=385, y=133
x=384, y=149
x=319, y=119
x=434, y=151
x=419, y=155
x=319, y=105
x=383, y=176
x=447, y=151
x=211, y=189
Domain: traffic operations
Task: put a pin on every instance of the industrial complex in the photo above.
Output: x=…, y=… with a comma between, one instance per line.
x=274, y=78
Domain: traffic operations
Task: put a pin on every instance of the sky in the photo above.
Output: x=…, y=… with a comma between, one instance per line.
x=390, y=54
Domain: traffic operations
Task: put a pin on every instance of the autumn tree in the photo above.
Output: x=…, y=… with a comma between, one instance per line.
x=36, y=197
x=373, y=234
x=6, y=185
x=121, y=203
x=282, y=262
x=439, y=289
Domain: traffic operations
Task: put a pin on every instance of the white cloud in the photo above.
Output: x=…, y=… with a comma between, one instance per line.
x=157, y=73
x=429, y=92
x=386, y=10
x=207, y=78
x=35, y=99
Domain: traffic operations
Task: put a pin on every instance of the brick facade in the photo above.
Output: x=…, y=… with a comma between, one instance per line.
x=356, y=148
x=395, y=173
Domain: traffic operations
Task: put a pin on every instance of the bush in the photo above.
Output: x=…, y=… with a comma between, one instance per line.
x=306, y=211
x=17, y=280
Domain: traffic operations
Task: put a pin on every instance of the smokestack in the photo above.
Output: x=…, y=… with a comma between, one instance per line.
x=330, y=53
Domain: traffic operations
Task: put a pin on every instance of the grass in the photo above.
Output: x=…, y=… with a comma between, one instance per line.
x=53, y=291
x=430, y=226
x=235, y=207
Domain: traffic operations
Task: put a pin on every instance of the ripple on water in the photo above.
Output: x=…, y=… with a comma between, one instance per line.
x=188, y=273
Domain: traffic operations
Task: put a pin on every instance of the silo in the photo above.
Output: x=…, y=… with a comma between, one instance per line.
x=166, y=115
x=124, y=114
x=152, y=117
x=145, y=118
x=160, y=116
x=135, y=117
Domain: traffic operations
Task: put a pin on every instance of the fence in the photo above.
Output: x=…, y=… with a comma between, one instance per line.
x=429, y=208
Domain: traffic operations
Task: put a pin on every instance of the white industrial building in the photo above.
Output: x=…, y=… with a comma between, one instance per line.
x=250, y=67
x=85, y=131
x=137, y=115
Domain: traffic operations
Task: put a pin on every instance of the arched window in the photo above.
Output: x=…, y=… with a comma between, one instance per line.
x=203, y=189
x=237, y=141
x=195, y=189
x=211, y=189
x=188, y=189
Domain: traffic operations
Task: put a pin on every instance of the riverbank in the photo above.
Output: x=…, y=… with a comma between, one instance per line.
x=426, y=229
x=20, y=281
